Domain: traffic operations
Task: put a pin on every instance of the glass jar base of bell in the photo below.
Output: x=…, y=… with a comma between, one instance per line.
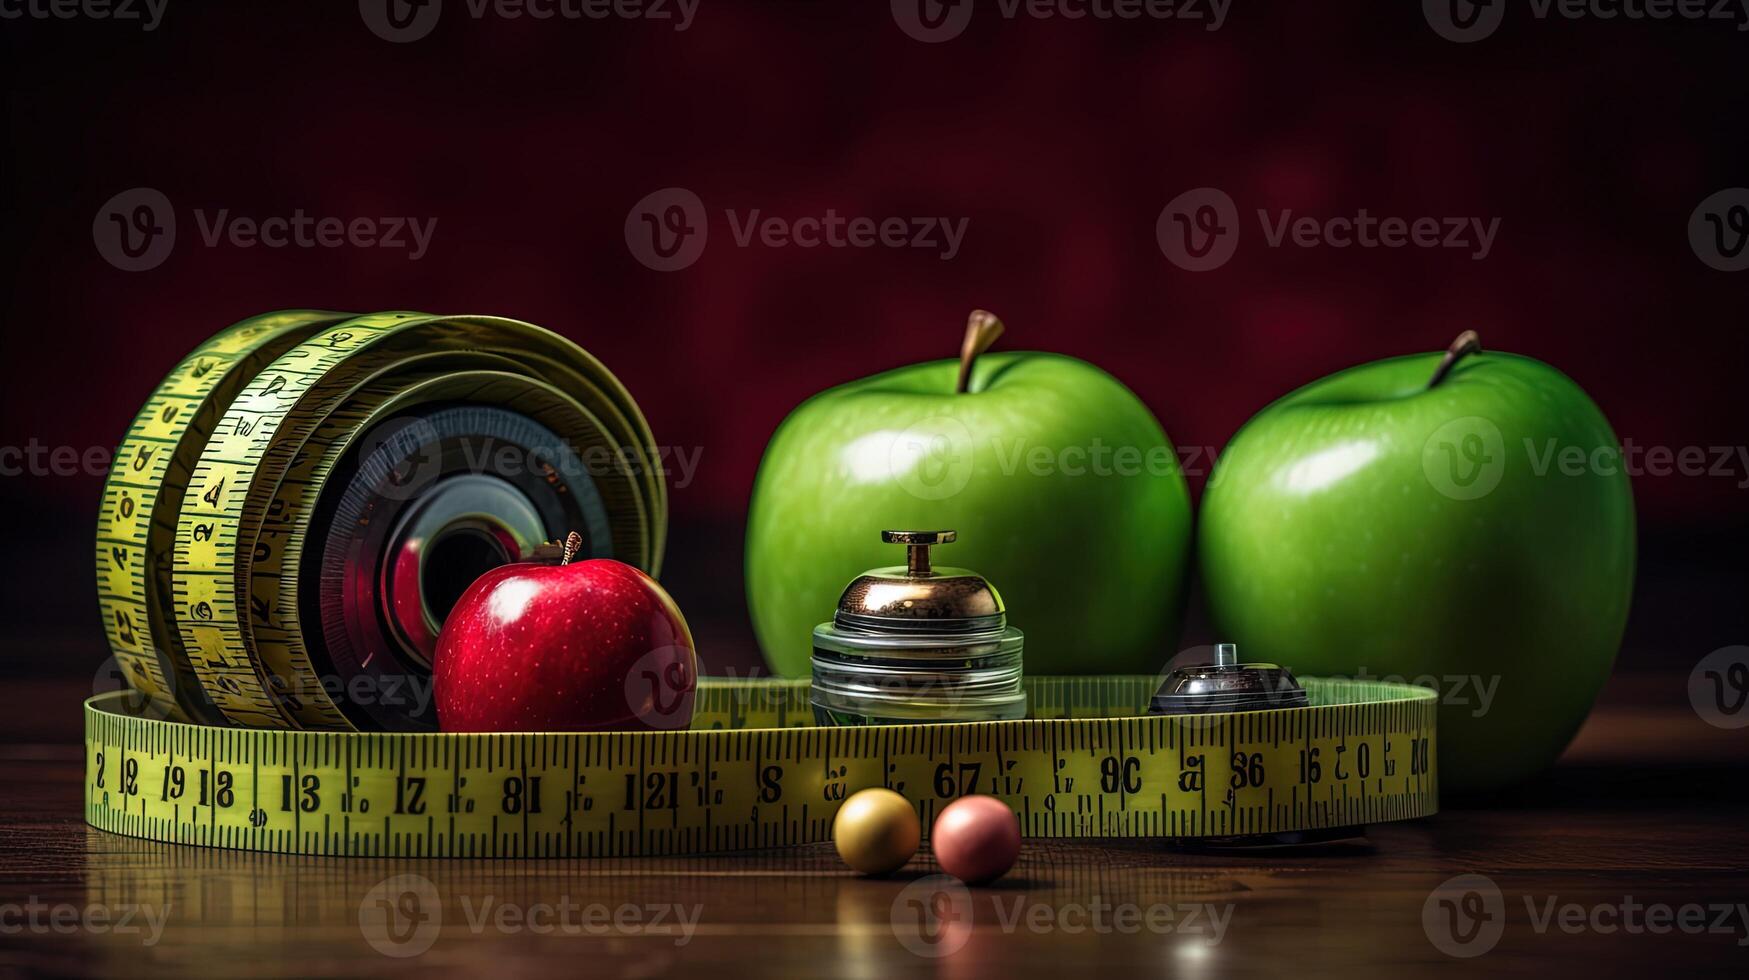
x=835, y=713
x=869, y=679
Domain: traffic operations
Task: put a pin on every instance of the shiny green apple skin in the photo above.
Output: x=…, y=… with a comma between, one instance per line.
x=1355, y=527
x=1091, y=561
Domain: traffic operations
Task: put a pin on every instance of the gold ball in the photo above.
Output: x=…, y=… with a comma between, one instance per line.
x=876, y=831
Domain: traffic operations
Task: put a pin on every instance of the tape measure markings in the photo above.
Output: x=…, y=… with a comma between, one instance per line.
x=1361, y=754
x=236, y=471
x=144, y=490
x=192, y=419
x=245, y=463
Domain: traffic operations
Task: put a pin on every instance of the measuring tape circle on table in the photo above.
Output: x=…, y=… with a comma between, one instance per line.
x=754, y=772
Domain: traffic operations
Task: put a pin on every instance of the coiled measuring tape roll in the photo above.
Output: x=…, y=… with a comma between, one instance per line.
x=749, y=774
x=302, y=498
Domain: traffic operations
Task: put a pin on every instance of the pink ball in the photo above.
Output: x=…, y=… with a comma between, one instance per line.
x=976, y=839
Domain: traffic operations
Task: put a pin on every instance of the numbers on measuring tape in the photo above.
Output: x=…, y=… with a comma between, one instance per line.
x=306, y=797
x=1329, y=765
x=656, y=791
x=771, y=784
x=1362, y=761
x=221, y=791
x=1418, y=756
x=948, y=785
x=1120, y=775
x=521, y=795
x=1190, y=780
x=1247, y=769
x=410, y=794
x=174, y=782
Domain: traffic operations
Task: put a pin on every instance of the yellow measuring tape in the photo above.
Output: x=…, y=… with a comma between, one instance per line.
x=206, y=573
x=276, y=529
x=748, y=776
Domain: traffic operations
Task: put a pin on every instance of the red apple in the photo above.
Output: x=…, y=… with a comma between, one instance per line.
x=592, y=645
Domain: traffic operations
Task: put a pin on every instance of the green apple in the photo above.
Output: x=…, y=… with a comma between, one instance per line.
x=1064, y=491
x=1460, y=521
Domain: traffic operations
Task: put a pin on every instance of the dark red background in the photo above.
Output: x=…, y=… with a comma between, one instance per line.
x=1060, y=141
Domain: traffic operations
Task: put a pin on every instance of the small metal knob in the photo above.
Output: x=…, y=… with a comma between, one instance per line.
x=1227, y=685
x=917, y=547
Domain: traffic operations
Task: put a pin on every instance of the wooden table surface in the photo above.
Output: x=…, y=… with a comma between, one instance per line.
x=1642, y=825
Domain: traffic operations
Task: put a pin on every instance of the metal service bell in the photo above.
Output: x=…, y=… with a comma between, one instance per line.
x=915, y=643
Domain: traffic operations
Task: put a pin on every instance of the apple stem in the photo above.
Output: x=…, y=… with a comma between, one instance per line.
x=1468, y=342
x=982, y=329
x=573, y=544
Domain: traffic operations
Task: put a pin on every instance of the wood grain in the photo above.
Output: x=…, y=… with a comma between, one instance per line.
x=1649, y=806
